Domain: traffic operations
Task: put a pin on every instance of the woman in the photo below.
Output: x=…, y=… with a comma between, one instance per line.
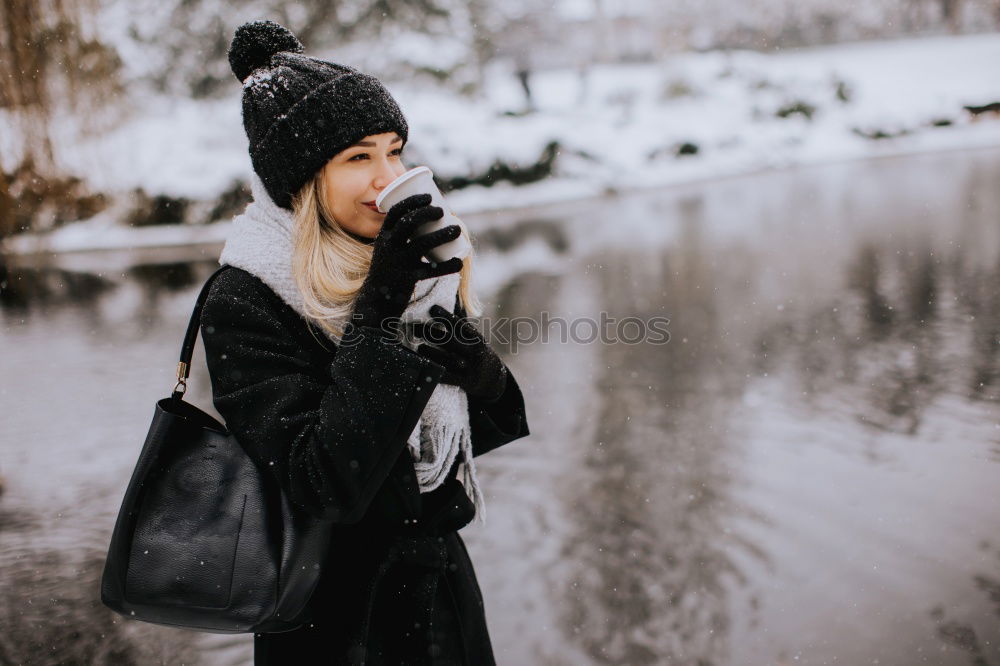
x=304, y=342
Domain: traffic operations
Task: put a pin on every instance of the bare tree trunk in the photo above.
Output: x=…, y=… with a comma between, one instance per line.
x=602, y=33
x=484, y=48
x=6, y=208
x=46, y=62
x=951, y=10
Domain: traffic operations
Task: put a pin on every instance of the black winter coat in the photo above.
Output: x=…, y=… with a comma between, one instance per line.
x=331, y=423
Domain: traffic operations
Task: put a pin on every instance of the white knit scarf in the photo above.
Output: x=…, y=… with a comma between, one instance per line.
x=260, y=242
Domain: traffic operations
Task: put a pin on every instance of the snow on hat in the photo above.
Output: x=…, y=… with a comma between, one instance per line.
x=300, y=111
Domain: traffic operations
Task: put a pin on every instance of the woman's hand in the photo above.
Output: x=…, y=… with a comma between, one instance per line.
x=397, y=263
x=452, y=341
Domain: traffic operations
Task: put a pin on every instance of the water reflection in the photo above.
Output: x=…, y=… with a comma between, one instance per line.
x=157, y=278
x=27, y=289
x=51, y=611
x=156, y=281
x=675, y=546
x=908, y=327
x=504, y=239
x=653, y=490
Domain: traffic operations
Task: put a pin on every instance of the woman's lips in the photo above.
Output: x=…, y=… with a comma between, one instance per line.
x=371, y=204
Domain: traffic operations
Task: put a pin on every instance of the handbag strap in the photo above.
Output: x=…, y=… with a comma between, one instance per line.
x=187, y=349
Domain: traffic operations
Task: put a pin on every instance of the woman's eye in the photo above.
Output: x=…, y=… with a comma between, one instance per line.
x=397, y=152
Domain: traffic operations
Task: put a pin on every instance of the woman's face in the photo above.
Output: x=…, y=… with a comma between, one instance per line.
x=356, y=175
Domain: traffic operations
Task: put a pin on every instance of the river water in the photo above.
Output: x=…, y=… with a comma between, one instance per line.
x=806, y=472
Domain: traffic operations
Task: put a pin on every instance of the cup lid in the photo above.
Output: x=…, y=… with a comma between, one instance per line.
x=402, y=178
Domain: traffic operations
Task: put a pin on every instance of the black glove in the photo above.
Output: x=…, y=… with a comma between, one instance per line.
x=452, y=341
x=396, y=265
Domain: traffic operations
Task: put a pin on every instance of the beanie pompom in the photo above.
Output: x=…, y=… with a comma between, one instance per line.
x=254, y=43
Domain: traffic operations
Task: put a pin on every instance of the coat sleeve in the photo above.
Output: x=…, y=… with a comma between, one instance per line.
x=330, y=435
x=493, y=424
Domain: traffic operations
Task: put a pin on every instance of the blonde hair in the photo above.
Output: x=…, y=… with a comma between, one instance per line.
x=330, y=266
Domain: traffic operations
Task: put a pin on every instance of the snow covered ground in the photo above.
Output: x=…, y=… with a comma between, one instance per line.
x=619, y=128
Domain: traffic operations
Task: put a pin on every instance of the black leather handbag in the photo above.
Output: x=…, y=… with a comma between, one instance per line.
x=204, y=539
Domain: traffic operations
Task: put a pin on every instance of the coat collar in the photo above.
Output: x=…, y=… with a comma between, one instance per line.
x=261, y=243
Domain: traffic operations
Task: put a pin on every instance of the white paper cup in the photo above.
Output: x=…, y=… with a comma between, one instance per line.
x=420, y=180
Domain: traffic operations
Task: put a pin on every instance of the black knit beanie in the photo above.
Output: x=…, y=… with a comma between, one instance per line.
x=299, y=111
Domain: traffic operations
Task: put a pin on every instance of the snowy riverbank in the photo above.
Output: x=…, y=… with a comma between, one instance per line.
x=695, y=116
